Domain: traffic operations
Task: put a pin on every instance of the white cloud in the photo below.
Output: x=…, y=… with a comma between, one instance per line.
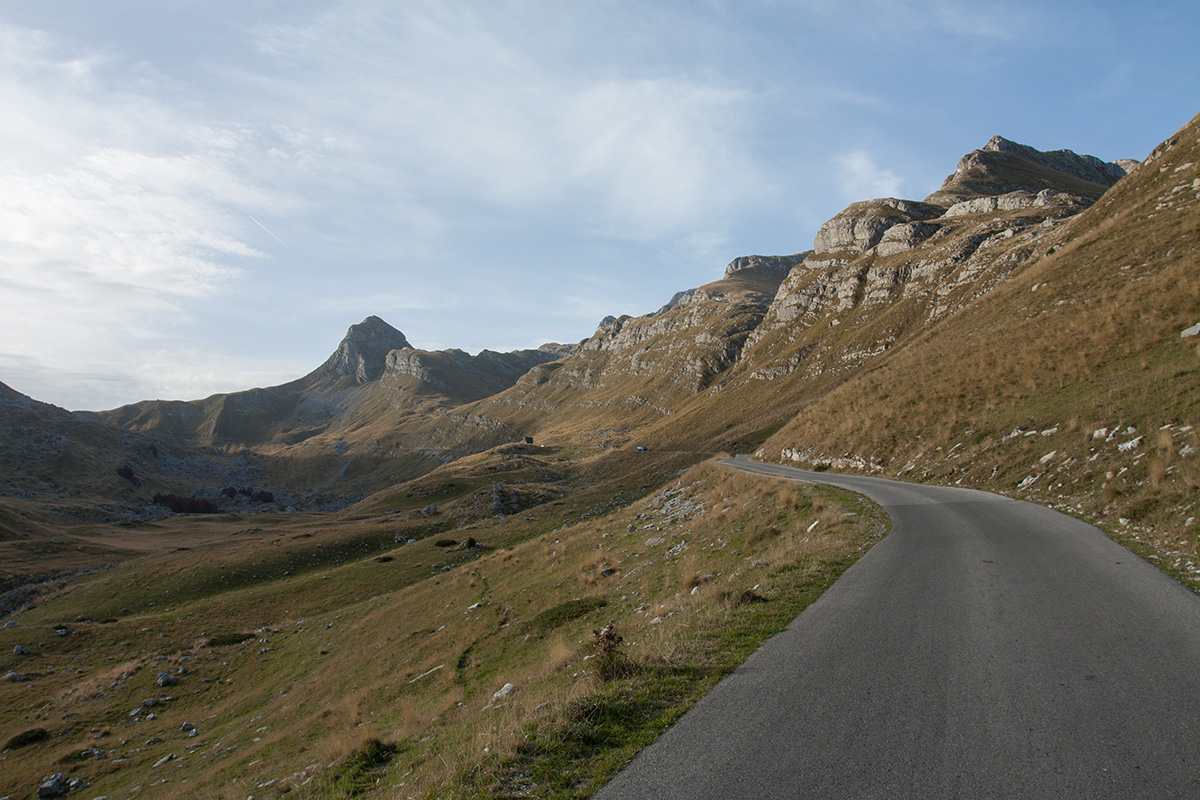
x=471, y=101
x=119, y=214
x=860, y=178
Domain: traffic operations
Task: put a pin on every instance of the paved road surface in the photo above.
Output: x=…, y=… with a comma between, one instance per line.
x=986, y=648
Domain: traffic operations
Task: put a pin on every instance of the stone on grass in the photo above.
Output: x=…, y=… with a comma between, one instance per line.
x=53, y=786
x=505, y=692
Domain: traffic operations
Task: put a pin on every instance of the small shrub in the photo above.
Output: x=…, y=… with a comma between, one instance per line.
x=611, y=662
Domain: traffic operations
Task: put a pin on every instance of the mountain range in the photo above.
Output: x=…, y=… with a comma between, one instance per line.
x=721, y=366
x=1031, y=328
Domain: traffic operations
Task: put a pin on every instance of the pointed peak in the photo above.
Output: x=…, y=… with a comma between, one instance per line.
x=363, y=351
x=374, y=327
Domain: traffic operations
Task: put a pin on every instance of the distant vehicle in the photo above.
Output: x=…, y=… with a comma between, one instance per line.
x=642, y=447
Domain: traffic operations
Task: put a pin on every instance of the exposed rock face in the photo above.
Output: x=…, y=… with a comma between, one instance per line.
x=930, y=256
x=776, y=265
x=1015, y=201
x=363, y=352
x=899, y=238
x=638, y=369
x=861, y=226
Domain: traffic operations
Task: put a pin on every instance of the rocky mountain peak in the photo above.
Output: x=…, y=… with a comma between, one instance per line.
x=1084, y=167
x=1003, y=166
x=362, y=353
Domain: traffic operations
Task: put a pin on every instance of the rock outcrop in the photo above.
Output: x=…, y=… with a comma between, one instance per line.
x=778, y=266
x=861, y=226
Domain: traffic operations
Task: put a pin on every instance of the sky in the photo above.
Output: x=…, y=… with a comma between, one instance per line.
x=202, y=196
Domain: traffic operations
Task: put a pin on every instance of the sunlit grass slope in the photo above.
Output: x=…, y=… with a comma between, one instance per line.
x=1070, y=383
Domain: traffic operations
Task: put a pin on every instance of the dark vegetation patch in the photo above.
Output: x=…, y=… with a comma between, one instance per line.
x=359, y=774
x=565, y=612
x=227, y=639
x=126, y=472
x=186, y=505
x=26, y=738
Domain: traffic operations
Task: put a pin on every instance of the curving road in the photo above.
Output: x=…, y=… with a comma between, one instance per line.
x=986, y=648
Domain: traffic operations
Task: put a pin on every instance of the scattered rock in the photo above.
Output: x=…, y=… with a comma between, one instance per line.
x=166, y=679
x=14, y=677
x=506, y=691
x=163, y=760
x=1192, y=331
x=20, y=650
x=53, y=786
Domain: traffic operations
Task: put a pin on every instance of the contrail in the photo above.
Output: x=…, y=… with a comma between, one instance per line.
x=268, y=230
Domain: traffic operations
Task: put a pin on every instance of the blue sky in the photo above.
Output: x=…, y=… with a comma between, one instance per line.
x=198, y=197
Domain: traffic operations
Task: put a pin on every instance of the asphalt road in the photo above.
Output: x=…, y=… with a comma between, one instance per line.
x=986, y=648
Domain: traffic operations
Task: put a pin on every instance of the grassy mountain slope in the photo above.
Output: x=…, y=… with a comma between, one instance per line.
x=1069, y=383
